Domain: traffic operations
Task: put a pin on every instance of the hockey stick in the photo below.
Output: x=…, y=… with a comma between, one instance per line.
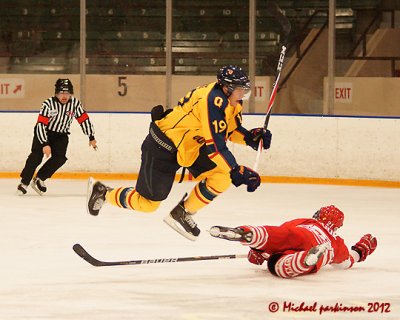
x=80, y=251
x=285, y=26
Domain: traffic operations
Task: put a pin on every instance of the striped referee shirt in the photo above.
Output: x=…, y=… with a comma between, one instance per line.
x=57, y=117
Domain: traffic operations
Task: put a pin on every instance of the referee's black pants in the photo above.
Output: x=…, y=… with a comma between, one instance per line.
x=58, y=143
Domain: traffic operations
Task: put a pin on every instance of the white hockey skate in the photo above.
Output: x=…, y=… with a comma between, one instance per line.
x=38, y=185
x=231, y=234
x=315, y=253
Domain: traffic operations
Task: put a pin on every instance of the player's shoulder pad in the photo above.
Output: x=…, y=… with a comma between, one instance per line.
x=216, y=98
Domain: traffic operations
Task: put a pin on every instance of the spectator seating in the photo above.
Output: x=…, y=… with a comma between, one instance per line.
x=129, y=36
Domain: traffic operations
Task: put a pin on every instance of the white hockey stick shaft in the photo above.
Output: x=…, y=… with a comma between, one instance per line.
x=283, y=21
x=270, y=104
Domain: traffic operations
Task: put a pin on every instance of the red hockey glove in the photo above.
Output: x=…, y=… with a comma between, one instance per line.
x=255, y=256
x=365, y=246
x=253, y=139
x=243, y=175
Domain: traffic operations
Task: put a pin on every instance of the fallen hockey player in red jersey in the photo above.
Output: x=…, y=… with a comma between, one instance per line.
x=300, y=246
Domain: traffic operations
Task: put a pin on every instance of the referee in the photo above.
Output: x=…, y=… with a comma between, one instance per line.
x=51, y=136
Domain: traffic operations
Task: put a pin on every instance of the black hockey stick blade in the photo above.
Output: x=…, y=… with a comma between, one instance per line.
x=283, y=21
x=80, y=251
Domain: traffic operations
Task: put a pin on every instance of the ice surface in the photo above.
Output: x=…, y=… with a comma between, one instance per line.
x=42, y=278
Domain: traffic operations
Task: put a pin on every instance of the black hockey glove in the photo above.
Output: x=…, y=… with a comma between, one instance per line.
x=253, y=139
x=243, y=175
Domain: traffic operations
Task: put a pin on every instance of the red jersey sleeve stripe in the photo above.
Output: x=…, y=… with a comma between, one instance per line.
x=82, y=118
x=213, y=155
x=43, y=119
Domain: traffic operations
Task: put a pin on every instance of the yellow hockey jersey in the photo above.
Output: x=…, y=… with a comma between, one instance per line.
x=205, y=116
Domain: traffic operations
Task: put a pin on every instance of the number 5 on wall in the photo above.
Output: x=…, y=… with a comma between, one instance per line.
x=121, y=83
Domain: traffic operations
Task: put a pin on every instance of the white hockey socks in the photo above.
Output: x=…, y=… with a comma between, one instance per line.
x=259, y=239
x=292, y=265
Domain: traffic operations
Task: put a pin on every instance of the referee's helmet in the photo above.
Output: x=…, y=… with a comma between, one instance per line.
x=64, y=86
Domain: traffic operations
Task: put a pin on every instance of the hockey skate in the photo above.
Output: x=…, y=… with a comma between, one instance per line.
x=231, y=234
x=315, y=253
x=96, y=195
x=182, y=222
x=38, y=185
x=22, y=189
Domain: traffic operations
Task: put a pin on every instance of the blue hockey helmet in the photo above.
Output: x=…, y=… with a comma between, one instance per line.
x=233, y=77
x=64, y=86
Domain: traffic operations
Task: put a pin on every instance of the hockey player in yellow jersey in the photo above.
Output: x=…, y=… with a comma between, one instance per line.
x=192, y=135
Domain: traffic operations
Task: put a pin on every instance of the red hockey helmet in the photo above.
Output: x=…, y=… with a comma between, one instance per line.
x=330, y=216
